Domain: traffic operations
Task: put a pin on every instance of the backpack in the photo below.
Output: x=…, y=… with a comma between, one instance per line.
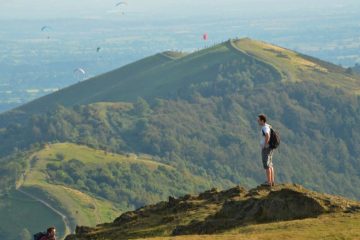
x=39, y=235
x=274, y=141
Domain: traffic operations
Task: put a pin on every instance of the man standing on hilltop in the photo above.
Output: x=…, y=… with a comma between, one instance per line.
x=266, y=150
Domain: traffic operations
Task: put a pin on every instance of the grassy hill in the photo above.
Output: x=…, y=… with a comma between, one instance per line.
x=168, y=73
x=285, y=211
x=72, y=204
x=78, y=206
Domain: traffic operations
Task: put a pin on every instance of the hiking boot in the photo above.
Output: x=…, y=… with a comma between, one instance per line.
x=266, y=184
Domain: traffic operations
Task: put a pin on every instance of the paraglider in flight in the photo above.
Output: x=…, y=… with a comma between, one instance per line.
x=79, y=70
x=121, y=3
x=79, y=73
x=45, y=28
x=205, y=36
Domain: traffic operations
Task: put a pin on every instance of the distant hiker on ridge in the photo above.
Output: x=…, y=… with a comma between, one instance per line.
x=269, y=141
x=49, y=235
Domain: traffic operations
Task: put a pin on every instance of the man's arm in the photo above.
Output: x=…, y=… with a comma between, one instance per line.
x=267, y=138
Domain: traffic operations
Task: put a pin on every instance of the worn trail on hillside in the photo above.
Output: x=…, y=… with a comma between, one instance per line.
x=63, y=216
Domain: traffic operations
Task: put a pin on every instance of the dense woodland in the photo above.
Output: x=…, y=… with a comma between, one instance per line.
x=130, y=186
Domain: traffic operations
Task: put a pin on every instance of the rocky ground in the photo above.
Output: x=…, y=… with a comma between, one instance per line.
x=214, y=212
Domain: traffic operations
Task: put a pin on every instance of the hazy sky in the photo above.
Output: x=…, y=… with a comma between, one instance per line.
x=32, y=9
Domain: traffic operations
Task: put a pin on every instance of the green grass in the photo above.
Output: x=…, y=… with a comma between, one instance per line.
x=330, y=227
x=174, y=55
x=80, y=207
x=18, y=212
x=88, y=156
x=296, y=67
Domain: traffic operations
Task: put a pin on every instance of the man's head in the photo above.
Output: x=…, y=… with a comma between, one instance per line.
x=51, y=231
x=261, y=119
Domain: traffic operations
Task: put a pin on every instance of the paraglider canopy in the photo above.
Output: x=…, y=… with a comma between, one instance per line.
x=79, y=73
x=205, y=36
x=79, y=70
x=45, y=28
x=121, y=3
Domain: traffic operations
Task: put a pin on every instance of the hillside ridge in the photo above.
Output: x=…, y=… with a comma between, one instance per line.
x=291, y=66
x=214, y=212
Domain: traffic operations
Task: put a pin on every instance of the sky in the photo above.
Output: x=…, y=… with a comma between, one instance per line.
x=45, y=9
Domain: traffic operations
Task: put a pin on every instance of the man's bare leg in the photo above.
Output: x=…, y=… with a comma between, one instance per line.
x=268, y=175
x=272, y=175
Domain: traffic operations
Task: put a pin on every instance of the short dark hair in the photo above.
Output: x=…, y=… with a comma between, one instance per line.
x=50, y=229
x=262, y=117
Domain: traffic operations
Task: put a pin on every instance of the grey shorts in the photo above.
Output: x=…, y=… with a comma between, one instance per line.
x=267, y=154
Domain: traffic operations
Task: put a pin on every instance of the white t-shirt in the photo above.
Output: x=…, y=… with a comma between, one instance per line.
x=265, y=129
